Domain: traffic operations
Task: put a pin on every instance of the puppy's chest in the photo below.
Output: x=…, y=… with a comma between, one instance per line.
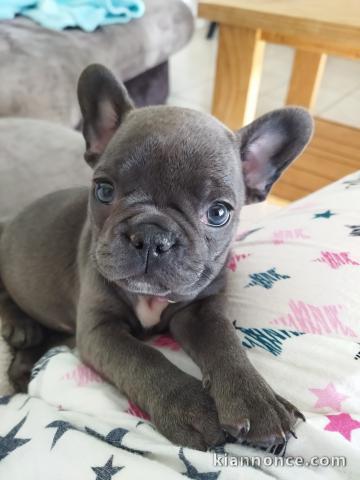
x=149, y=309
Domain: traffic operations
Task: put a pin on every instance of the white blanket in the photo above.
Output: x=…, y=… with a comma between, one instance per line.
x=294, y=291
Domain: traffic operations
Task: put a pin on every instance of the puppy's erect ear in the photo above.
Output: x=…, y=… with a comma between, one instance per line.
x=104, y=102
x=269, y=145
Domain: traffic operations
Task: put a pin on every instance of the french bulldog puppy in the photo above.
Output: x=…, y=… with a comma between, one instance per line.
x=143, y=250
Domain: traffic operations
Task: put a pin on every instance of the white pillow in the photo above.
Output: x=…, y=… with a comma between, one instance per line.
x=299, y=268
x=294, y=299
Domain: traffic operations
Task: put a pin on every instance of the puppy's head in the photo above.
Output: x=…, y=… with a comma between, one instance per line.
x=169, y=183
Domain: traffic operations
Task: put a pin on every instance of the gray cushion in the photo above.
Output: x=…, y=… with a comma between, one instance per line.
x=40, y=67
x=36, y=158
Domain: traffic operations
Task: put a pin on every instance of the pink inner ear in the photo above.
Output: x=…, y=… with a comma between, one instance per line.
x=257, y=166
x=107, y=115
x=106, y=127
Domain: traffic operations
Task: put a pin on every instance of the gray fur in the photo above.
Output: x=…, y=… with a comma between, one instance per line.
x=68, y=262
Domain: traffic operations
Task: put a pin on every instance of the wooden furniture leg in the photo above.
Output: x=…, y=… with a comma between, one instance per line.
x=305, y=80
x=238, y=73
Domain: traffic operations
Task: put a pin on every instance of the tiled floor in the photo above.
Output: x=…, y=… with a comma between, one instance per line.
x=192, y=78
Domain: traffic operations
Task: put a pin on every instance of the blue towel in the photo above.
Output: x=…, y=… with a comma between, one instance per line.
x=9, y=8
x=85, y=14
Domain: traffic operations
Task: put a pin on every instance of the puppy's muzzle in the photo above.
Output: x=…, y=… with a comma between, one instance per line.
x=151, y=240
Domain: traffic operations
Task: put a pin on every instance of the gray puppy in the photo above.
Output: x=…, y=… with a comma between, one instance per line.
x=144, y=250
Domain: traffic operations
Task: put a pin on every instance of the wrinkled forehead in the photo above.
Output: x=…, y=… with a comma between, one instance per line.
x=173, y=147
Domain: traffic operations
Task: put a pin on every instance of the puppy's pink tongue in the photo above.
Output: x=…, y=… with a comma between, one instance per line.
x=149, y=309
x=155, y=302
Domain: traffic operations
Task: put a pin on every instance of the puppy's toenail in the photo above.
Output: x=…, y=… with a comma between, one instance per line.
x=206, y=382
x=246, y=427
x=300, y=415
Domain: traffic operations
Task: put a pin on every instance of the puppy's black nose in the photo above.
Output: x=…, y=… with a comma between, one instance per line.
x=152, y=239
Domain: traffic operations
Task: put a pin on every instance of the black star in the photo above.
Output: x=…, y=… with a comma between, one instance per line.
x=355, y=232
x=326, y=214
x=23, y=405
x=352, y=183
x=191, y=471
x=62, y=427
x=9, y=442
x=219, y=450
x=42, y=363
x=107, y=471
x=5, y=400
x=114, y=438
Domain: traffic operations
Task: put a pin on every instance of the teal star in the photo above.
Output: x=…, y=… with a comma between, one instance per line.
x=326, y=214
x=107, y=471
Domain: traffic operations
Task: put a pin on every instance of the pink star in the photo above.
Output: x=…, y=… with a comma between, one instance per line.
x=167, y=341
x=136, y=411
x=328, y=397
x=343, y=424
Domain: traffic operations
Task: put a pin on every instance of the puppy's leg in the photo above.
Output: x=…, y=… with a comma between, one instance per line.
x=24, y=360
x=17, y=328
x=20, y=368
x=175, y=401
x=247, y=406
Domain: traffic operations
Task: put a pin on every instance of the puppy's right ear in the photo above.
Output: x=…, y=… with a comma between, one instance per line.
x=104, y=102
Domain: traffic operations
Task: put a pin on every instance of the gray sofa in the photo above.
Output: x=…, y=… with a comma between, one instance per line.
x=39, y=72
x=37, y=157
x=40, y=67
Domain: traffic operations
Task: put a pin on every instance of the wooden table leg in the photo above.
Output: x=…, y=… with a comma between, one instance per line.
x=238, y=73
x=307, y=72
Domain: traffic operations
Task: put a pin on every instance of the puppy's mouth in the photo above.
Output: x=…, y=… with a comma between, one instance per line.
x=139, y=287
x=180, y=285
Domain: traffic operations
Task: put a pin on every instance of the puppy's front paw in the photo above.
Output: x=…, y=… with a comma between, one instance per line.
x=187, y=416
x=21, y=332
x=250, y=410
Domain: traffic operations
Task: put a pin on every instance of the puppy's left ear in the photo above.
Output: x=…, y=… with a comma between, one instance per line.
x=269, y=145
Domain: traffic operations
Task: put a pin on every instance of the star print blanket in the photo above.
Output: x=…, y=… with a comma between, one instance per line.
x=294, y=292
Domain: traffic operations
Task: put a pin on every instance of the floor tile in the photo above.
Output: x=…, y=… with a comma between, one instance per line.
x=341, y=74
x=194, y=64
x=199, y=95
x=345, y=111
x=181, y=102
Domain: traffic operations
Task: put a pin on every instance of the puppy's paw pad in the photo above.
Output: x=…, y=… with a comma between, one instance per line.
x=238, y=430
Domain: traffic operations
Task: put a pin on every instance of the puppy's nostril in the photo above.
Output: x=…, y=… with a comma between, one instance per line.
x=163, y=246
x=151, y=238
x=160, y=249
x=137, y=241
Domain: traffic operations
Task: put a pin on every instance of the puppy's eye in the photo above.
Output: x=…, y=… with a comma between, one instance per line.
x=104, y=192
x=218, y=214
